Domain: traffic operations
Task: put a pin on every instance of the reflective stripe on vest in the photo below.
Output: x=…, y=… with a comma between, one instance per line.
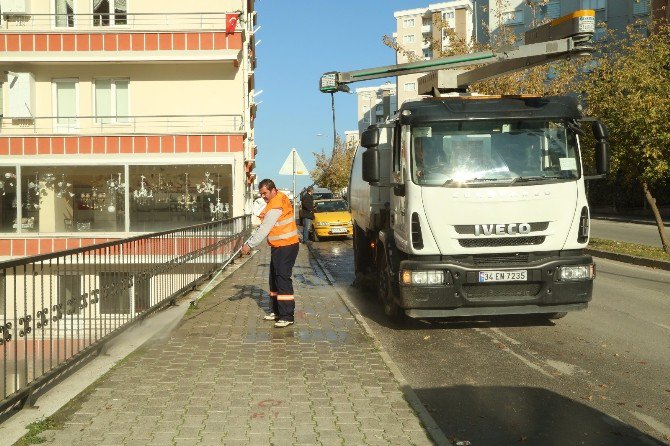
x=285, y=231
x=285, y=297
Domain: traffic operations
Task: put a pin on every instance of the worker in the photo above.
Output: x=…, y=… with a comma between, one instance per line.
x=307, y=207
x=278, y=225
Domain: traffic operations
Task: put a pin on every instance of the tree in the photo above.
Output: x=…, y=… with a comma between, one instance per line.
x=332, y=171
x=629, y=91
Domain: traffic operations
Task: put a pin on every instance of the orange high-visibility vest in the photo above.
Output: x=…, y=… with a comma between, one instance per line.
x=285, y=231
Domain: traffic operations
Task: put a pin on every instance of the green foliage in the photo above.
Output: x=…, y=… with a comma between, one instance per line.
x=332, y=171
x=36, y=428
x=629, y=91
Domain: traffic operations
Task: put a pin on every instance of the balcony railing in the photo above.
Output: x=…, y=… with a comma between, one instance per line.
x=116, y=22
x=162, y=124
x=59, y=309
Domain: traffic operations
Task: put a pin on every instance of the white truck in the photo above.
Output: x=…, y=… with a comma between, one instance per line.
x=475, y=205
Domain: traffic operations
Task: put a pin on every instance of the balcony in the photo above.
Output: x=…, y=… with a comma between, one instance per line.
x=425, y=29
x=143, y=37
x=118, y=125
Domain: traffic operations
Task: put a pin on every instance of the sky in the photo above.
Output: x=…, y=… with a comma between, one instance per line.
x=299, y=41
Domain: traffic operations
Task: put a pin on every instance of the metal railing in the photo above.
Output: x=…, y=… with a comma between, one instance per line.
x=163, y=124
x=115, y=22
x=59, y=309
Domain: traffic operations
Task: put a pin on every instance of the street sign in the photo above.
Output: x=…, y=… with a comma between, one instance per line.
x=293, y=165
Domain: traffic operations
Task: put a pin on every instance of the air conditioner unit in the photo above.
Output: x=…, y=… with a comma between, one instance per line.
x=15, y=7
x=21, y=95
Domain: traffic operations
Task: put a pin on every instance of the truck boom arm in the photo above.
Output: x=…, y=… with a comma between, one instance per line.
x=564, y=37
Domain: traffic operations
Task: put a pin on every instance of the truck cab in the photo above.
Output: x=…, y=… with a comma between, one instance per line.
x=475, y=205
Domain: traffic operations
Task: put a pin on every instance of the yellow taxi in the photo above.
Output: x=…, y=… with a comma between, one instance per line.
x=331, y=219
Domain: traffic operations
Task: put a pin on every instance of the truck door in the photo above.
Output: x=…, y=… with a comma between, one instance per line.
x=398, y=174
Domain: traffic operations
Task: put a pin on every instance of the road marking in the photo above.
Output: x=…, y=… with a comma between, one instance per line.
x=653, y=423
x=661, y=325
x=510, y=339
x=530, y=364
x=563, y=367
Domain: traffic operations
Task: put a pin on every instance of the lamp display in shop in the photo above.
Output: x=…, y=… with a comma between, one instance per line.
x=143, y=195
x=187, y=202
x=206, y=186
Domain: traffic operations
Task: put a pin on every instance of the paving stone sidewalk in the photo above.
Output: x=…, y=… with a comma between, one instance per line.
x=225, y=376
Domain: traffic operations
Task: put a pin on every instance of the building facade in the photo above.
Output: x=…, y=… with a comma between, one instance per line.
x=419, y=30
x=117, y=119
x=520, y=15
x=375, y=104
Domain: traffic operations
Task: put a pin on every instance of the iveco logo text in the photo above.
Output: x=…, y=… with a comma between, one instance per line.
x=511, y=229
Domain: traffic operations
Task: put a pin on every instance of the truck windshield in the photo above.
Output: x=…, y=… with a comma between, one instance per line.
x=486, y=152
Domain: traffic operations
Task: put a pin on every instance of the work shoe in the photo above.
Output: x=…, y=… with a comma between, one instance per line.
x=281, y=324
x=270, y=317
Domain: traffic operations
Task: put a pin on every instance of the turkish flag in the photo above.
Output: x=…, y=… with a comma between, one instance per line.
x=231, y=23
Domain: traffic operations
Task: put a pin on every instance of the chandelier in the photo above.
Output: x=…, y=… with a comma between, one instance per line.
x=218, y=209
x=8, y=182
x=143, y=195
x=206, y=186
x=93, y=200
x=187, y=202
x=114, y=188
x=41, y=187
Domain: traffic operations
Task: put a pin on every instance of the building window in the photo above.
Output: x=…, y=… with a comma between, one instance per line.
x=164, y=197
x=550, y=10
x=599, y=6
x=512, y=17
x=640, y=7
x=408, y=23
x=64, y=13
x=427, y=54
x=111, y=101
x=69, y=294
x=8, y=200
x=72, y=199
x=408, y=39
x=110, y=12
x=115, y=293
x=65, y=99
x=448, y=15
x=410, y=86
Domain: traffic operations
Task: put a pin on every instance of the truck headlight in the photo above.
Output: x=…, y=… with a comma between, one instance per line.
x=577, y=272
x=321, y=223
x=422, y=277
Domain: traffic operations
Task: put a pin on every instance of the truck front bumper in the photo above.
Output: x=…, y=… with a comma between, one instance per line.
x=462, y=293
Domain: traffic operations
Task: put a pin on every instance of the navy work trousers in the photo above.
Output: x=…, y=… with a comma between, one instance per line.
x=282, y=260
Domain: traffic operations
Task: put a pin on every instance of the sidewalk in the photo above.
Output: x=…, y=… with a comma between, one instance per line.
x=225, y=376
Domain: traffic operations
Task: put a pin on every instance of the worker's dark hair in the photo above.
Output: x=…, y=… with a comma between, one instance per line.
x=310, y=189
x=267, y=183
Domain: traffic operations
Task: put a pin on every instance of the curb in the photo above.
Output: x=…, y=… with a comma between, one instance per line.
x=628, y=220
x=427, y=420
x=640, y=261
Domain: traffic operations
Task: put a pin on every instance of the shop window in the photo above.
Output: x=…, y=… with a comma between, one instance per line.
x=8, y=200
x=172, y=196
x=72, y=199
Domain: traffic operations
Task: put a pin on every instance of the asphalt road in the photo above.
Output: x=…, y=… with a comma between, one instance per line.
x=627, y=232
x=596, y=377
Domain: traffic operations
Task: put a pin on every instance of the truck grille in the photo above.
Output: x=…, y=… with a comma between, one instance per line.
x=500, y=259
x=470, y=229
x=506, y=241
x=495, y=290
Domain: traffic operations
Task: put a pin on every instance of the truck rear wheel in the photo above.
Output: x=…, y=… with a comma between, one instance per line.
x=554, y=316
x=388, y=291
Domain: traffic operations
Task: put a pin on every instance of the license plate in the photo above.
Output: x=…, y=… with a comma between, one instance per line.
x=503, y=276
x=338, y=231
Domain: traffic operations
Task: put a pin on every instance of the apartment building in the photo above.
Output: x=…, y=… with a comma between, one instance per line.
x=416, y=32
x=119, y=119
x=375, y=104
x=521, y=14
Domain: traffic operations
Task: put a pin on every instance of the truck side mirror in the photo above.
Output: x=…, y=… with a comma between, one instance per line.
x=370, y=137
x=602, y=157
x=599, y=130
x=370, y=166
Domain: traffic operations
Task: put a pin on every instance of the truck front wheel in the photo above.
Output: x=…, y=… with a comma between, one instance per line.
x=388, y=290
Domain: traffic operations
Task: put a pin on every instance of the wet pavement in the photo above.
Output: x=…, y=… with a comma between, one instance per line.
x=225, y=376
x=595, y=377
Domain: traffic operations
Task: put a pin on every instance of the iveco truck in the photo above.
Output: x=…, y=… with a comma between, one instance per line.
x=468, y=205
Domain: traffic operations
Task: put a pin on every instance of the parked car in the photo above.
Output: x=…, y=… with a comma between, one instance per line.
x=331, y=219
